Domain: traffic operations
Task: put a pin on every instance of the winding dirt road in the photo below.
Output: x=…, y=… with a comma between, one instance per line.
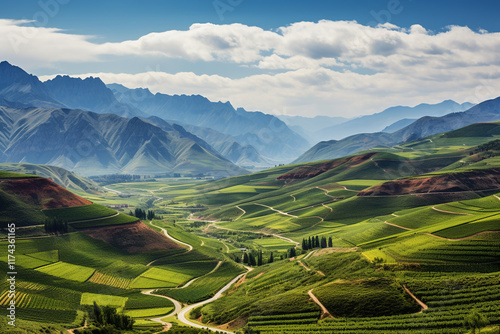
x=177, y=308
x=276, y=210
x=182, y=313
x=324, y=312
x=190, y=248
x=424, y=307
x=185, y=311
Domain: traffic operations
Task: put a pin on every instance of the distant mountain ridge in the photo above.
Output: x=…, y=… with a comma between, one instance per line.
x=17, y=86
x=89, y=94
x=379, y=121
x=487, y=111
x=226, y=145
x=91, y=144
x=266, y=133
x=22, y=90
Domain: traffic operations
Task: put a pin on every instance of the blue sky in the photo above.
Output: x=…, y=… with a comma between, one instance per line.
x=338, y=58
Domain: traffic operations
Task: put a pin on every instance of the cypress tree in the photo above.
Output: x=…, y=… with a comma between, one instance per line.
x=304, y=244
x=310, y=244
x=317, y=241
x=330, y=242
x=251, y=259
x=271, y=258
x=245, y=257
x=323, y=242
x=259, y=258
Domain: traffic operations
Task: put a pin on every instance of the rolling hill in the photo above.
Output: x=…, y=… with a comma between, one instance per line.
x=61, y=176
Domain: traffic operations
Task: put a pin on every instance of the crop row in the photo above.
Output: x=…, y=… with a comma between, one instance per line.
x=33, y=300
x=444, y=294
x=285, y=316
x=46, y=316
x=434, y=322
x=283, y=322
x=110, y=280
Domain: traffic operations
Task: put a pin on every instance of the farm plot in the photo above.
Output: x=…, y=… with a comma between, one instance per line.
x=110, y=280
x=108, y=300
x=80, y=212
x=159, y=278
x=273, y=243
x=67, y=271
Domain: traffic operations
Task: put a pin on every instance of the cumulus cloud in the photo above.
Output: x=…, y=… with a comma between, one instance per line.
x=325, y=67
x=235, y=42
x=27, y=44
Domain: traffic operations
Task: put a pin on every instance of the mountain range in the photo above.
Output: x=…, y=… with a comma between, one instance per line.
x=486, y=111
x=136, y=131
x=266, y=133
x=246, y=138
x=89, y=143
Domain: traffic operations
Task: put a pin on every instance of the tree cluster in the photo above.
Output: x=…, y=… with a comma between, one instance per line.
x=106, y=316
x=316, y=242
x=252, y=260
x=143, y=214
x=56, y=226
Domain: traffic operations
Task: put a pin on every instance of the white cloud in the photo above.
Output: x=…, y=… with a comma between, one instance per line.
x=325, y=67
x=235, y=43
x=26, y=44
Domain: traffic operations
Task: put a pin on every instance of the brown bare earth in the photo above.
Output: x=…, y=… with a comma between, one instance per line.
x=132, y=238
x=42, y=192
x=234, y=324
x=308, y=171
x=477, y=180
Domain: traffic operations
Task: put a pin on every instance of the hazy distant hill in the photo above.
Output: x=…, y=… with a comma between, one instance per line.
x=486, y=111
x=89, y=94
x=61, y=176
x=377, y=122
x=269, y=135
x=226, y=145
x=90, y=143
x=398, y=125
x=308, y=127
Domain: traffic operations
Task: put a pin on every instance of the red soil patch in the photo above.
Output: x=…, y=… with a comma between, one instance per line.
x=234, y=324
x=42, y=192
x=477, y=180
x=308, y=171
x=132, y=238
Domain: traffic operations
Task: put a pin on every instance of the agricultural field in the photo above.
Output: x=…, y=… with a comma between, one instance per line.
x=76, y=213
x=274, y=244
x=67, y=271
x=105, y=300
x=106, y=221
x=159, y=278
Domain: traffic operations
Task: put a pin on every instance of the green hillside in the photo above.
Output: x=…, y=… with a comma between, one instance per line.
x=59, y=175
